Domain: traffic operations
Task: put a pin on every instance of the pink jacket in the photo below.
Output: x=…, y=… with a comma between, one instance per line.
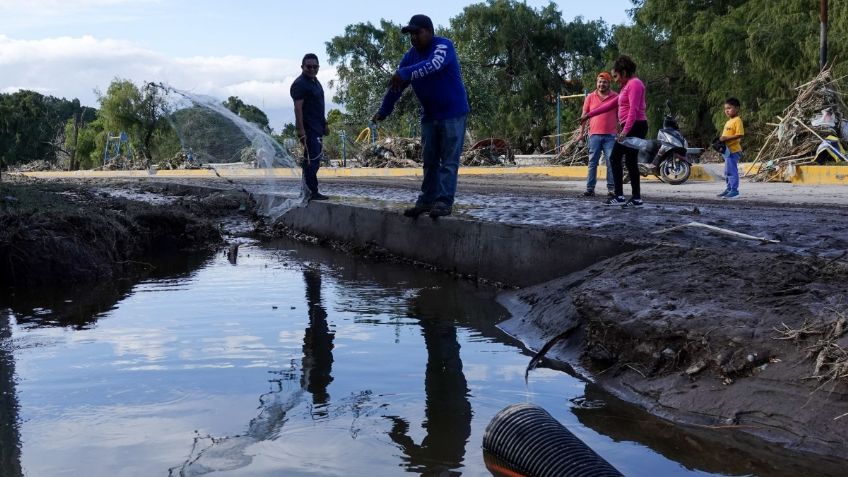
x=631, y=105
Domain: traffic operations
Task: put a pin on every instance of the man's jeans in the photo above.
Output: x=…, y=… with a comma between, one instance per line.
x=441, y=141
x=731, y=169
x=599, y=143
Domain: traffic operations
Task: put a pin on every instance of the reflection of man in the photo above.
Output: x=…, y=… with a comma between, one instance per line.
x=602, y=131
x=431, y=66
x=317, y=345
x=308, y=96
x=447, y=410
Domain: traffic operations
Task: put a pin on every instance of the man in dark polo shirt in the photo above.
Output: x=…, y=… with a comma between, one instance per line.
x=308, y=96
x=433, y=70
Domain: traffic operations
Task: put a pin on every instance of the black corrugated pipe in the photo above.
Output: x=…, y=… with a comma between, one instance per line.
x=524, y=440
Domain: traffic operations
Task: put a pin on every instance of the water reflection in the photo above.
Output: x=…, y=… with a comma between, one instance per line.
x=80, y=305
x=447, y=409
x=216, y=454
x=317, y=346
x=10, y=440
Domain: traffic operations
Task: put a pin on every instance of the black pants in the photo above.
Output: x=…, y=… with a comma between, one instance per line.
x=313, y=150
x=631, y=158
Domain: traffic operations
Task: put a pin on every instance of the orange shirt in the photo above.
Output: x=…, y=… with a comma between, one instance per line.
x=606, y=123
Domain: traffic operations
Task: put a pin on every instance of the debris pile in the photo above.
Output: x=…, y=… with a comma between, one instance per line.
x=37, y=166
x=124, y=163
x=392, y=152
x=575, y=151
x=180, y=160
x=811, y=130
x=489, y=152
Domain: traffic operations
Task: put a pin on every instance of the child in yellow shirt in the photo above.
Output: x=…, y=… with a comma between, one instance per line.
x=731, y=136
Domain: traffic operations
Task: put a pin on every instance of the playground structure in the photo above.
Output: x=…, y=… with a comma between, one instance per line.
x=112, y=150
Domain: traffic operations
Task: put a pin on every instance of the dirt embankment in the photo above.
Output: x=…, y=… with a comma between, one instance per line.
x=735, y=342
x=63, y=233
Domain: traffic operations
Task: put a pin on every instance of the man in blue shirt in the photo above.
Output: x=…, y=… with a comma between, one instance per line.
x=311, y=124
x=433, y=70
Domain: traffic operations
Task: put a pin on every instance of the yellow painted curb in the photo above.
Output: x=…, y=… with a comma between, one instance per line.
x=824, y=175
x=562, y=172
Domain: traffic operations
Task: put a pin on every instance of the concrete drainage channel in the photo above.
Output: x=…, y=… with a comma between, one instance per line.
x=513, y=255
x=508, y=254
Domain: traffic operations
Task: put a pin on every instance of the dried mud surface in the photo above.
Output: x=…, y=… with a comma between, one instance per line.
x=701, y=337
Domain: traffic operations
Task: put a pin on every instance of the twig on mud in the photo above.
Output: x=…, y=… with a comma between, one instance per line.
x=134, y=262
x=541, y=354
x=830, y=359
x=840, y=417
x=634, y=369
x=731, y=233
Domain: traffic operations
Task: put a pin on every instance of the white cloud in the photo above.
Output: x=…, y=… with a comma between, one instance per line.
x=75, y=66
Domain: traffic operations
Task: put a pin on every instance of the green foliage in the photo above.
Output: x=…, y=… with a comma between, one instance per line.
x=212, y=137
x=142, y=114
x=516, y=59
x=699, y=53
x=366, y=56
x=86, y=145
x=248, y=112
x=32, y=126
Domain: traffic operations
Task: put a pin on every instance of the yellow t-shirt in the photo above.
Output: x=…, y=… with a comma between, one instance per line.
x=734, y=127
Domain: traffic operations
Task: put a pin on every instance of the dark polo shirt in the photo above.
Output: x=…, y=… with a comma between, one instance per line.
x=312, y=94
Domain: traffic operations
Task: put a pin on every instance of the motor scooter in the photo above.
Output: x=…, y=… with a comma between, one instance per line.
x=669, y=157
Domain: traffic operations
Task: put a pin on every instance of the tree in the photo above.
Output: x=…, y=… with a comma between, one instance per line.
x=756, y=50
x=516, y=59
x=248, y=112
x=365, y=57
x=32, y=126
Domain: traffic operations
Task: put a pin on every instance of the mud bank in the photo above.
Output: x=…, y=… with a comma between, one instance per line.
x=730, y=343
x=63, y=233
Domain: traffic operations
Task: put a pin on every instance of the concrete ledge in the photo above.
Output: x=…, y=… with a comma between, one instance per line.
x=513, y=255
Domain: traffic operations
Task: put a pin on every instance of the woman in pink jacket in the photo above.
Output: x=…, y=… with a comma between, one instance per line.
x=633, y=122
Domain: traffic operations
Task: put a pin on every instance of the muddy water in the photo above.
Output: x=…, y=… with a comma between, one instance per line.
x=293, y=361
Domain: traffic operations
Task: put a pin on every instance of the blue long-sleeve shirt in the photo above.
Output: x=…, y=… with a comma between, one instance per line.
x=436, y=78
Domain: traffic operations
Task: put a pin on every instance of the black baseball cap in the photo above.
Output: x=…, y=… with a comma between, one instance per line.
x=418, y=22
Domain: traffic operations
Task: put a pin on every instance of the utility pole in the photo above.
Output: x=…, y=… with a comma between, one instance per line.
x=823, y=36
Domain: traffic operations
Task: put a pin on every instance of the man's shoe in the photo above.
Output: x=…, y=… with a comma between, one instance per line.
x=732, y=194
x=416, y=210
x=724, y=193
x=318, y=196
x=589, y=193
x=633, y=203
x=440, y=210
x=615, y=201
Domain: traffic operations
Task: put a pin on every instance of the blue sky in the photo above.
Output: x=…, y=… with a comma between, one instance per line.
x=248, y=48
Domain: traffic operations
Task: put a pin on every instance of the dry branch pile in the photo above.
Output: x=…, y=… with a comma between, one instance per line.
x=392, y=152
x=575, y=152
x=795, y=139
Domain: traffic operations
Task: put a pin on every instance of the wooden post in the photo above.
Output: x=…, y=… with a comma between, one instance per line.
x=823, y=35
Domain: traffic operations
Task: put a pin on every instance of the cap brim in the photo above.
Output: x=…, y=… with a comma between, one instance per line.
x=409, y=28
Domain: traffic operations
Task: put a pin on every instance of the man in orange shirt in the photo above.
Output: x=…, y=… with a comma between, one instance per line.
x=602, y=131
